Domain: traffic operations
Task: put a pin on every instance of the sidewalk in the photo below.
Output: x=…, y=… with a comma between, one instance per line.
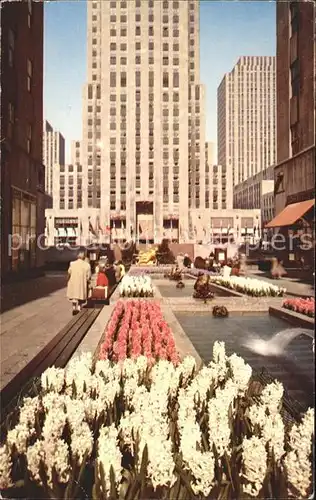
x=293, y=286
x=35, y=311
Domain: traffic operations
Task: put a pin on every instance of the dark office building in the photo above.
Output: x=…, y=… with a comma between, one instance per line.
x=22, y=170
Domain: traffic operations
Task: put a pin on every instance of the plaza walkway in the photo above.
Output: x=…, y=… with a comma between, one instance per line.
x=294, y=286
x=33, y=313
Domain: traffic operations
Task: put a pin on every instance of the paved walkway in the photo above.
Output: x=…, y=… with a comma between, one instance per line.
x=35, y=311
x=293, y=285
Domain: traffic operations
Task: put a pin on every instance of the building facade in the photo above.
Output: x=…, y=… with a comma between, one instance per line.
x=296, y=97
x=143, y=146
x=75, y=153
x=257, y=192
x=22, y=170
x=53, y=154
x=246, y=117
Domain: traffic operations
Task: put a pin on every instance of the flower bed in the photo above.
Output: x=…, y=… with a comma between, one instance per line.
x=125, y=431
x=249, y=286
x=152, y=271
x=137, y=327
x=196, y=272
x=136, y=286
x=303, y=306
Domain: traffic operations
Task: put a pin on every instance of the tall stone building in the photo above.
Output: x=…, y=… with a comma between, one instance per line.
x=22, y=169
x=143, y=147
x=246, y=117
x=53, y=154
x=296, y=97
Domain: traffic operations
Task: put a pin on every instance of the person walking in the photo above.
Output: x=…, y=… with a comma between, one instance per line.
x=79, y=275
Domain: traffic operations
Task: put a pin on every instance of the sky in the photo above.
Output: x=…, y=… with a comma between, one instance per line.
x=228, y=29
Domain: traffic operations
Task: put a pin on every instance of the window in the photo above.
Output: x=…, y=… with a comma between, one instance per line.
x=112, y=46
x=137, y=60
x=29, y=75
x=112, y=32
x=137, y=79
x=123, y=79
x=112, y=79
x=11, y=119
x=165, y=80
x=24, y=225
x=112, y=60
x=11, y=47
x=176, y=79
x=165, y=31
x=137, y=31
x=151, y=31
x=176, y=47
x=29, y=139
x=123, y=19
x=112, y=18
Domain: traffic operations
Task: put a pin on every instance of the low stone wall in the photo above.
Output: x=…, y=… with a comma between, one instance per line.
x=296, y=319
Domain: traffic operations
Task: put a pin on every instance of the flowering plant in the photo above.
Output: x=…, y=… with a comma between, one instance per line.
x=152, y=271
x=137, y=327
x=249, y=286
x=136, y=286
x=300, y=305
x=125, y=431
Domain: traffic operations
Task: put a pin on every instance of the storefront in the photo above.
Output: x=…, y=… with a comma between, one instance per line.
x=295, y=225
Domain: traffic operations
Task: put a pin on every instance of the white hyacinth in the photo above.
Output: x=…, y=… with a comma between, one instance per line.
x=54, y=424
x=187, y=367
x=273, y=435
x=57, y=457
x=53, y=379
x=5, y=467
x=29, y=410
x=297, y=461
x=218, y=411
x=254, y=464
x=136, y=286
x=53, y=453
x=109, y=454
x=271, y=397
x=81, y=441
x=241, y=372
x=19, y=437
x=34, y=455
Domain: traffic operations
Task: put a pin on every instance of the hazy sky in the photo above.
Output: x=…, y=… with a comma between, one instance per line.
x=228, y=30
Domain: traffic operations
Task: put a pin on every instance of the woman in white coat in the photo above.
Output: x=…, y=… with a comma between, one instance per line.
x=79, y=275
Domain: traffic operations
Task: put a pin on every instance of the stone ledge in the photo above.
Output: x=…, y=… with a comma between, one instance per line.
x=292, y=317
x=183, y=343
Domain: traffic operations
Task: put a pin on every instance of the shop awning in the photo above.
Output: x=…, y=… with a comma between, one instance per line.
x=291, y=214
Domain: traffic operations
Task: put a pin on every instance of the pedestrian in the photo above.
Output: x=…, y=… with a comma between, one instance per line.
x=117, y=270
x=277, y=269
x=102, y=279
x=111, y=275
x=122, y=269
x=79, y=275
x=187, y=261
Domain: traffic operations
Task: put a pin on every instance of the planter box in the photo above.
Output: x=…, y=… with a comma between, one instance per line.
x=292, y=317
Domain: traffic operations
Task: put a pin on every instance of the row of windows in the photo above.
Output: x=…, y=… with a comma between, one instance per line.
x=151, y=60
x=123, y=4
x=138, y=46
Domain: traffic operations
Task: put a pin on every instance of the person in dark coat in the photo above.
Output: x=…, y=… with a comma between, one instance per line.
x=187, y=262
x=110, y=274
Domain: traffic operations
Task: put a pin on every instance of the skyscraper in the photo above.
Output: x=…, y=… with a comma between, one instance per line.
x=246, y=117
x=53, y=154
x=143, y=148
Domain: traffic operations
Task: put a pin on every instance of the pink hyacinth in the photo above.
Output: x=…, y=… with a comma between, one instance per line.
x=300, y=305
x=137, y=327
